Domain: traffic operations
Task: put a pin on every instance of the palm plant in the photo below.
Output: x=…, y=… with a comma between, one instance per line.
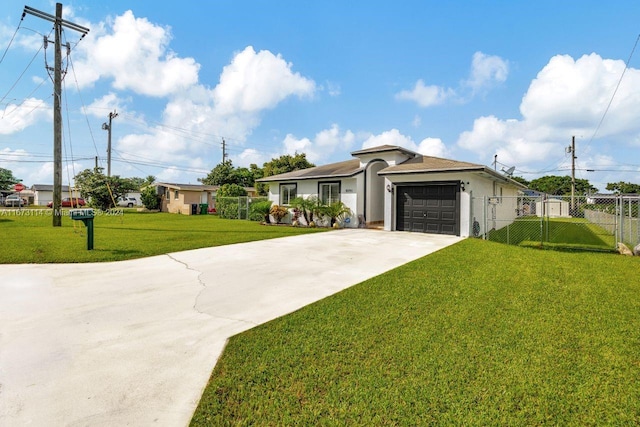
x=336, y=211
x=308, y=207
x=261, y=210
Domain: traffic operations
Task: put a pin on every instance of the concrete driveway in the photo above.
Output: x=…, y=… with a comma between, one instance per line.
x=134, y=342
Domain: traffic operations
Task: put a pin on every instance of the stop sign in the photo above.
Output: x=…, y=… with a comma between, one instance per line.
x=18, y=187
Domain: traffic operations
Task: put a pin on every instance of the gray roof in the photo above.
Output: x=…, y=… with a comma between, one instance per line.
x=187, y=187
x=384, y=149
x=428, y=164
x=47, y=187
x=344, y=169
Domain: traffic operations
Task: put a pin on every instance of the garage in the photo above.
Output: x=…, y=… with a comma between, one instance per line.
x=429, y=208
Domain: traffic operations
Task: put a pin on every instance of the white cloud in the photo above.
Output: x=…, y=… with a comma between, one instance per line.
x=486, y=72
x=426, y=96
x=17, y=117
x=428, y=146
x=433, y=147
x=568, y=97
x=258, y=81
x=324, y=144
x=134, y=53
x=334, y=89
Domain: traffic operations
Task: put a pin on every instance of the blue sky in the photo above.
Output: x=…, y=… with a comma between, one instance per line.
x=465, y=80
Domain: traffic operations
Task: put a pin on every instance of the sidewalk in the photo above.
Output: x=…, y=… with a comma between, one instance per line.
x=134, y=342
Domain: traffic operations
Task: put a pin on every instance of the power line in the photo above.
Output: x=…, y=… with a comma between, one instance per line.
x=12, y=37
x=614, y=91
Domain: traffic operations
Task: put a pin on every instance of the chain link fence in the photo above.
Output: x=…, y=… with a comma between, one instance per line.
x=593, y=223
x=236, y=207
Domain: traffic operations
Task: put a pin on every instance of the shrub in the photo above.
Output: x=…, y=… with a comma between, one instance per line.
x=150, y=198
x=336, y=211
x=259, y=211
x=278, y=212
x=227, y=200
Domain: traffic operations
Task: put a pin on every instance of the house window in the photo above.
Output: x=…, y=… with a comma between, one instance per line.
x=287, y=193
x=175, y=194
x=329, y=192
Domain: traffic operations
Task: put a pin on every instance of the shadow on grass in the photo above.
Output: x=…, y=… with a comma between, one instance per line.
x=571, y=234
x=119, y=252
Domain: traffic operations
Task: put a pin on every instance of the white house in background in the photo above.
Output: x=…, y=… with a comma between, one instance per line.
x=43, y=193
x=401, y=190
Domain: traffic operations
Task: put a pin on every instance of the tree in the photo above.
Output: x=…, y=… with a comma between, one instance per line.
x=283, y=164
x=7, y=180
x=561, y=185
x=102, y=191
x=227, y=200
x=150, y=197
x=623, y=187
x=521, y=180
x=137, y=182
x=286, y=163
x=225, y=173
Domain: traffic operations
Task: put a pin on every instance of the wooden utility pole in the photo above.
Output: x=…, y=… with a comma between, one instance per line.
x=57, y=95
x=107, y=127
x=224, y=150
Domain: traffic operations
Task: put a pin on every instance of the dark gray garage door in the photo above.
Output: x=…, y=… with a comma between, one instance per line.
x=428, y=208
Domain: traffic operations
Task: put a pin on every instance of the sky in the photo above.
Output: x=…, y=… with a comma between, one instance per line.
x=500, y=83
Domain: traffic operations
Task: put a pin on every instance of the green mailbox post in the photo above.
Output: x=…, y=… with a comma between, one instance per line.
x=86, y=216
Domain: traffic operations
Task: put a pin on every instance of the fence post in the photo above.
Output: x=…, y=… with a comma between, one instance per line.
x=542, y=214
x=484, y=217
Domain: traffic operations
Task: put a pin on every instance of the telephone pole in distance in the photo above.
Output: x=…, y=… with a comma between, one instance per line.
x=107, y=127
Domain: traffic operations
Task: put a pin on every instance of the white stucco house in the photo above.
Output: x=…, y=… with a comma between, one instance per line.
x=401, y=190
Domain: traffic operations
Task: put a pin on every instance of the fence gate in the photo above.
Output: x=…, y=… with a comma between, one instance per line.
x=592, y=223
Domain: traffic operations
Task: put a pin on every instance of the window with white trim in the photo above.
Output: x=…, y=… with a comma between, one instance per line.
x=287, y=193
x=329, y=192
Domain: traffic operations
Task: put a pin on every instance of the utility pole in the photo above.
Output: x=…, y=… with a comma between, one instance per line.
x=107, y=127
x=224, y=150
x=495, y=162
x=57, y=95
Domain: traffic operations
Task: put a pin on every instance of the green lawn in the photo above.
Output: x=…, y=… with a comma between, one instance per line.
x=29, y=237
x=569, y=233
x=476, y=334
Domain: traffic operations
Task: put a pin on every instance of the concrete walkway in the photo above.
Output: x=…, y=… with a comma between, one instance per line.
x=134, y=342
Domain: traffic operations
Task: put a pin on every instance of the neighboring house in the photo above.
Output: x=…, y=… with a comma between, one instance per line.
x=185, y=199
x=189, y=199
x=402, y=190
x=43, y=193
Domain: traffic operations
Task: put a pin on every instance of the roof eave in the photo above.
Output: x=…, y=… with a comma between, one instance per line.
x=304, y=178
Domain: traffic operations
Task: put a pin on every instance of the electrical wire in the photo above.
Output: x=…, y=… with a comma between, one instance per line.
x=21, y=75
x=614, y=91
x=84, y=108
x=13, y=37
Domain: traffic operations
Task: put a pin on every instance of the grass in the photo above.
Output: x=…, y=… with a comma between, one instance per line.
x=572, y=233
x=476, y=334
x=29, y=237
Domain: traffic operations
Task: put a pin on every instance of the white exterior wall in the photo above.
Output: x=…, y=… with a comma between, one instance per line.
x=349, y=190
x=475, y=186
